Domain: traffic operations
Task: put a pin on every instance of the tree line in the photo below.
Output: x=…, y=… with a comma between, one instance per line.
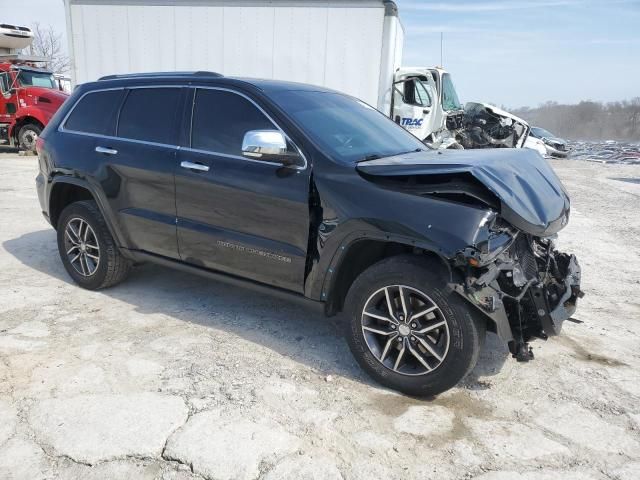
x=587, y=120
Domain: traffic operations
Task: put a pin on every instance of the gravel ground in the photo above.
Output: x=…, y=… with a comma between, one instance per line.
x=175, y=377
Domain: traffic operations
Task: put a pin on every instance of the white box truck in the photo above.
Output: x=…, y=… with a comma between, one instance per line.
x=354, y=46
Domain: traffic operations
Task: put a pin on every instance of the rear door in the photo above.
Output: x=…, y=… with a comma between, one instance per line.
x=139, y=164
x=238, y=215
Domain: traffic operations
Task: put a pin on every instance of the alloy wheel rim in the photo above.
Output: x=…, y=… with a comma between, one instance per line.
x=81, y=245
x=405, y=330
x=29, y=139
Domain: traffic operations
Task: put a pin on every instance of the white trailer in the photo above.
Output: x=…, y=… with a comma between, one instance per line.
x=353, y=46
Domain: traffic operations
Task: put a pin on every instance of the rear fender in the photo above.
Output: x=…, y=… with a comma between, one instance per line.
x=98, y=196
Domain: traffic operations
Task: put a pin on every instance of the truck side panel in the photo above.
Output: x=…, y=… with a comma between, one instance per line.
x=333, y=44
x=393, y=41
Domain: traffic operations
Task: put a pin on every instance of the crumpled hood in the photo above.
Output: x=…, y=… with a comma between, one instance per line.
x=532, y=197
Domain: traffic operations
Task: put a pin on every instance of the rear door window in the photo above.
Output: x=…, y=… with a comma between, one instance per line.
x=220, y=120
x=96, y=113
x=149, y=114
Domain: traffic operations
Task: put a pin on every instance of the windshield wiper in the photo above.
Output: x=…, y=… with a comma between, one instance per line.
x=375, y=156
x=412, y=151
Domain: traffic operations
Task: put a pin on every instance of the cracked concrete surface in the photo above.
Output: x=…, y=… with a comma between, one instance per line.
x=174, y=377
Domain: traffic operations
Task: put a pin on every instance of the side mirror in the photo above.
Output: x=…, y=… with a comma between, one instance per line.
x=269, y=146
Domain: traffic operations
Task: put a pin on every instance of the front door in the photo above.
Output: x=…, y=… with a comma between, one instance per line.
x=412, y=106
x=238, y=215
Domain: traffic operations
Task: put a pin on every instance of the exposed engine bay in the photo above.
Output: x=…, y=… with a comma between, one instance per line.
x=486, y=126
x=524, y=278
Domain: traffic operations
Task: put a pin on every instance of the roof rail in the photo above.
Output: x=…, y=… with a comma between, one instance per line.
x=161, y=74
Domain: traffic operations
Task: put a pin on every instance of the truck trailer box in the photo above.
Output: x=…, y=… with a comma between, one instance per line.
x=353, y=46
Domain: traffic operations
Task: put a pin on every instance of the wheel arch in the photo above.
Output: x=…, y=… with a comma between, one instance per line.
x=358, y=255
x=65, y=190
x=21, y=122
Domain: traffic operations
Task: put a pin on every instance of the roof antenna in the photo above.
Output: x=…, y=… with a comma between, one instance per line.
x=441, y=42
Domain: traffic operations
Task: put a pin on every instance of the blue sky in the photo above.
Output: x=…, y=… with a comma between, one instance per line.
x=522, y=53
x=507, y=52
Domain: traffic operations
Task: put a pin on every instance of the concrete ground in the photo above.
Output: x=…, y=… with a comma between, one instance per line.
x=176, y=377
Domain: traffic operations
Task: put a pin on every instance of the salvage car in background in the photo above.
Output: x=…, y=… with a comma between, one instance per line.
x=318, y=196
x=556, y=147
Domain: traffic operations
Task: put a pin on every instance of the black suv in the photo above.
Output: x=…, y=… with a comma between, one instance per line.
x=298, y=189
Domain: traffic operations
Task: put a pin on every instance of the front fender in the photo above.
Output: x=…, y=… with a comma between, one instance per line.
x=322, y=279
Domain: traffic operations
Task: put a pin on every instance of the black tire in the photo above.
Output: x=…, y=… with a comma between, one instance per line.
x=463, y=327
x=111, y=267
x=28, y=135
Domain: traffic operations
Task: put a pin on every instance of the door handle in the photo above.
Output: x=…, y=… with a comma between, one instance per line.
x=195, y=166
x=108, y=151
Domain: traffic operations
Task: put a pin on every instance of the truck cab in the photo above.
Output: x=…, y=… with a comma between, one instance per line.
x=426, y=103
x=29, y=98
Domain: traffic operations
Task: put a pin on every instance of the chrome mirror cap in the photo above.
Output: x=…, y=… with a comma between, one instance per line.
x=264, y=143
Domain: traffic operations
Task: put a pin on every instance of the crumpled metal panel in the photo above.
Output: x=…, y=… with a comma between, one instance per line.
x=532, y=196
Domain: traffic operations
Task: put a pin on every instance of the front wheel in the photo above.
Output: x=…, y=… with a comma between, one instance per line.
x=28, y=135
x=408, y=331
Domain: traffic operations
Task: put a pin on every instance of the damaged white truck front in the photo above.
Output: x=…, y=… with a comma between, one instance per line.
x=426, y=103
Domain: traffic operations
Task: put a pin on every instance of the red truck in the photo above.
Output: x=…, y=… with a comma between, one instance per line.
x=29, y=95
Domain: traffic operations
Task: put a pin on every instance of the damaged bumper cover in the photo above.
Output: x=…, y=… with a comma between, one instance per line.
x=528, y=288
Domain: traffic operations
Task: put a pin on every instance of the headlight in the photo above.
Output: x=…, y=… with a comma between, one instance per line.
x=487, y=251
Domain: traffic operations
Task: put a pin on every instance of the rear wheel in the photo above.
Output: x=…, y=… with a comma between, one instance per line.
x=87, y=249
x=28, y=135
x=408, y=331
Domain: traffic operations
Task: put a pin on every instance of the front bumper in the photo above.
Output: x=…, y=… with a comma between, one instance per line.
x=555, y=152
x=552, y=316
x=528, y=292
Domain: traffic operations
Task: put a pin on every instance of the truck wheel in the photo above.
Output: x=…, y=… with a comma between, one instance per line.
x=408, y=331
x=87, y=249
x=28, y=135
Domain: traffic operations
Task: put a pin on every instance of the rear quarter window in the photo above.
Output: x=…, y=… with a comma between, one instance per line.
x=149, y=114
x=95, y=113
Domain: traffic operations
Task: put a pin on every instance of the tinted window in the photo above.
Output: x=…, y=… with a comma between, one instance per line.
x=347, y=129
x=150, y=114
x=96, y=113
x=220, y=120
x=449, y=95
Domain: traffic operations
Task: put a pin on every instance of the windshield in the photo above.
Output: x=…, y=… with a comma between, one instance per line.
x=449, y=95
x=541, y=132
x=30, y=78
x=345, y=128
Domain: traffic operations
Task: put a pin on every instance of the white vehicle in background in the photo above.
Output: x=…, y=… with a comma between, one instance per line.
x=354, y=47
x=536, y=144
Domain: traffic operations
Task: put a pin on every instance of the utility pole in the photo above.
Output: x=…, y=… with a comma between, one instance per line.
x=441, y=42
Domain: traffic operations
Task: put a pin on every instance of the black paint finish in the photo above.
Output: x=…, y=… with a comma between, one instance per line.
x=291, y=228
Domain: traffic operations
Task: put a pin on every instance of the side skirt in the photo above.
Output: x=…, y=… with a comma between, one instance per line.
x=140, y=256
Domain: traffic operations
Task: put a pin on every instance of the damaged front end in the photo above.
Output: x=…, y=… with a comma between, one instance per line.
x=506, y=265
x=487, y=126
x=526, y=286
